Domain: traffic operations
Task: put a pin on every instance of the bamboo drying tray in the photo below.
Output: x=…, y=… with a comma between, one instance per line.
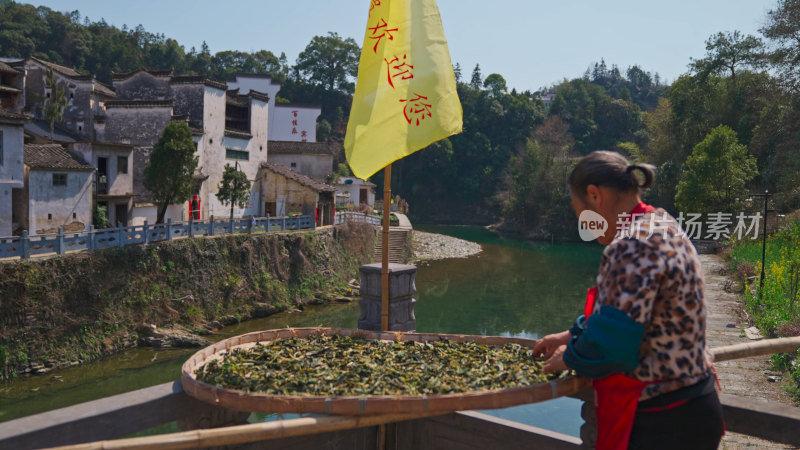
x=360, y=405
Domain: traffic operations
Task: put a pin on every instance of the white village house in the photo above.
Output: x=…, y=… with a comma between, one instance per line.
x=57, y=192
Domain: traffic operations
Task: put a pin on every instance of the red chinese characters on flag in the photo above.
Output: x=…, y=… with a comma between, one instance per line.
x=396, y=68
x=294, y=130
x=373, y=4
x=383, y=28
x=416, y=109
x=304, y=136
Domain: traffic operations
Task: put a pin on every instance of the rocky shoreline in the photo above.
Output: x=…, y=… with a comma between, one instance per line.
x=431, y=246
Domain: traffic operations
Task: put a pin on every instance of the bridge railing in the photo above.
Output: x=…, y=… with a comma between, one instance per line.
x=355, y=216
x=26, y=246
x=123, y=414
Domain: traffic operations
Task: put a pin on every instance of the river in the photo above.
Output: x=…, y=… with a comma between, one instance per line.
x=512, y=288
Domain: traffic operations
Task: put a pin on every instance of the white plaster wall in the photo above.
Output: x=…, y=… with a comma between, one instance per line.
x=258, y=84
x=60, y=201
x=11, y=171
x=288, y=122
x=5, y=210
x=211, y=149
x=215, y=160
x=317, y=167
x=355, y=191
x=118, y=183
x=150, y=212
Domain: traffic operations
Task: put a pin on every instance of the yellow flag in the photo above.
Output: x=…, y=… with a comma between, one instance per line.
x=405, y=96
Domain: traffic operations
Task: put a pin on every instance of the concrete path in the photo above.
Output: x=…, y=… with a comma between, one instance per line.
x=725, y=326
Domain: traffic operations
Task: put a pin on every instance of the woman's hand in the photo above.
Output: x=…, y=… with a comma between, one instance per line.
x=556, y=362
x=547, y=345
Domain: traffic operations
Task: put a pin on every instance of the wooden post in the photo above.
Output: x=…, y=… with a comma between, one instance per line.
x=146, y=232
x=211, y=226
x=120, y=242
x=169, y=229
x=90, y=235
x=191, y=225
x=387, y=192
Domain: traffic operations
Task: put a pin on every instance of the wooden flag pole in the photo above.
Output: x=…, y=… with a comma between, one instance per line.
x=387, y=198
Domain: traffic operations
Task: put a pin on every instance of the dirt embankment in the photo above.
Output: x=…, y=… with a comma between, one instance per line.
x=66, y=310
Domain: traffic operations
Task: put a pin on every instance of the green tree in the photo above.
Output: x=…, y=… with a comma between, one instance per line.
x=234, y=188
x=330, y=61
x=728, y=52
x=169, y=174
x=54, y=109
x=716, y=174
x=477, y=80
x=783, y=29
x=496, y=85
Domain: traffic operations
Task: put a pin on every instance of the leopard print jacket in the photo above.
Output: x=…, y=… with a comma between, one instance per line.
x=652, y=272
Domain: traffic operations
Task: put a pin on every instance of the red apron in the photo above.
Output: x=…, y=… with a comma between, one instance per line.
x=616, y=396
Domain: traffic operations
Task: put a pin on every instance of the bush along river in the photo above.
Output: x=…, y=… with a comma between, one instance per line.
x=511, y=288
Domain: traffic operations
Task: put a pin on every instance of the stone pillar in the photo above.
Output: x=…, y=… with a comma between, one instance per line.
x=401, y=301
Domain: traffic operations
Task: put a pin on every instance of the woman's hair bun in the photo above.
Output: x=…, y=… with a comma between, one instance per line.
x=648, y=174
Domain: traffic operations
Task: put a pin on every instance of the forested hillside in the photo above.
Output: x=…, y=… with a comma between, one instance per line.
x=729, y=126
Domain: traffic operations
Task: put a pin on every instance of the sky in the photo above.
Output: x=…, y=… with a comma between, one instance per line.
x=531, y=43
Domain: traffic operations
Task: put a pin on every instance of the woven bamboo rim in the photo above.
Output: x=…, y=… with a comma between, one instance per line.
x=360, y=405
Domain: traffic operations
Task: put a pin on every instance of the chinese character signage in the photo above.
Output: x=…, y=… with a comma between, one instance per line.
x=405, y=97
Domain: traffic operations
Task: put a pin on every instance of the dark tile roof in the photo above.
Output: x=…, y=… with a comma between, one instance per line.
x=10, y=89
x=233, y=98
x=8, y=69
x=298, y=177
x=11, y=115
x=297, y=105
x=103, y=89
x=197, y=79
x=259, y=95
x=138, y=103
x=237, y=134
x=154, y=72
x=63, y=70
x=299, y=148
x=53, y=156
x=42, y=128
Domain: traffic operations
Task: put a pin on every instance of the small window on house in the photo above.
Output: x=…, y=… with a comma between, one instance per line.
x=74, y=215
x=122, y=164
x=59, y=179
x=293, y=165
x=236, y=154
x=49, y=217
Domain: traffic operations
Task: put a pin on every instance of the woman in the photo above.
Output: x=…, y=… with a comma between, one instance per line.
x=642, y=337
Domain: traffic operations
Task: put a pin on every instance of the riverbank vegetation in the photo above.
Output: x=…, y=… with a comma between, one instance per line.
x=775, y=309
x=66, y=310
